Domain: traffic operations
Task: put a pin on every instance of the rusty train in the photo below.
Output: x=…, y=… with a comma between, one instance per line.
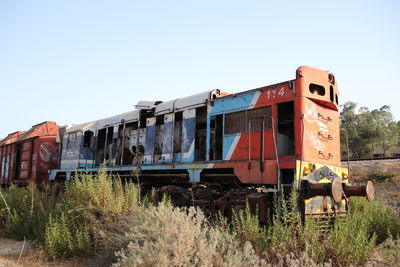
x=214, y=149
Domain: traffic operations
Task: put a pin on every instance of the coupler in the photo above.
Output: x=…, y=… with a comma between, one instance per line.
x=312, y=189
x=367, y=190
x=337, y=190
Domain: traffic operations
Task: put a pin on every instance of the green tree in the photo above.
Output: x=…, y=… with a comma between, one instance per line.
x=368, y=130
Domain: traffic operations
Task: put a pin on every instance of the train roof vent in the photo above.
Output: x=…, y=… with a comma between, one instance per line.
x=147, y=104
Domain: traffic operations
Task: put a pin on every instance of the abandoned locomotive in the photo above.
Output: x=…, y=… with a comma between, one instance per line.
x=218, y=150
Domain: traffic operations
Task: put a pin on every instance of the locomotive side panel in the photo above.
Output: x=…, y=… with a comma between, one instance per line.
x=321, y=134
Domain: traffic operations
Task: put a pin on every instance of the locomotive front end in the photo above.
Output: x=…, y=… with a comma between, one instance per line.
x=323, y=183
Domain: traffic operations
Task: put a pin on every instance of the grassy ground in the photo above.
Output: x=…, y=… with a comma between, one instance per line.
x=99, y=221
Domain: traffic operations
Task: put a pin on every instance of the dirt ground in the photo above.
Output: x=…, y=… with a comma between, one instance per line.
x=386, y=177
x=385, y=174
x=19, y=253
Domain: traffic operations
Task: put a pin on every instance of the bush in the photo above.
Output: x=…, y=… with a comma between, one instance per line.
x=349, y=242
x=24, y=212
x=390, y=250
x=102, y=214
x=167, y=236
x=90, y=214
x=64, y=237
x=380, y=219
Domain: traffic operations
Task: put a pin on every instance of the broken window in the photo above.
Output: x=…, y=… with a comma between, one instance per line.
x=331, y=94
x=126, y=143
x=109, y=145
x=316, y=88
x=87, y=139
x=119, y=146
x=286, y=128
x=200, y=134
x=178, y=132
x=216, y=137
x=101, y=138
x=71, y=140
x=159, y=137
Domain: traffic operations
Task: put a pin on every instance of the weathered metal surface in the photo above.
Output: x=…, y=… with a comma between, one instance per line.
x=7, y=156
x=147, y=104
x=260, y=205
x=27, y=156
x=117, y=119
x=333, y=189
x=367, y=190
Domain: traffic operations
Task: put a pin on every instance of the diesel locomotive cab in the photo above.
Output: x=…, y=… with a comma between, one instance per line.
x=322, y=181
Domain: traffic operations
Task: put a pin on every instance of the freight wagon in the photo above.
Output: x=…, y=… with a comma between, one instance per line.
x=27, y=157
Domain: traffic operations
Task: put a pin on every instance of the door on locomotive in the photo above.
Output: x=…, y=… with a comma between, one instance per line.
x=200, y=134
x=216, y=137
x=177, y=138
x=285, y=121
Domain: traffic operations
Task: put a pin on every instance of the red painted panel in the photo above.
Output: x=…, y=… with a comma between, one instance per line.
x=275, y=94
x=250, y=172
x=38, y=153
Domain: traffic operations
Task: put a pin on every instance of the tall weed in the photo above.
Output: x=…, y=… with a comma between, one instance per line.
x=26, y=212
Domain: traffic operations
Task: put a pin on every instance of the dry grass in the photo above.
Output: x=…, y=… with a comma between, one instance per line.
x=100, y=219
x=386, y=176
x=166, y=236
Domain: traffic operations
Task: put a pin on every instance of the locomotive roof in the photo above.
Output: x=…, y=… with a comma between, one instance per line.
x=80, y=127
x=127, y=116
x=191, y=101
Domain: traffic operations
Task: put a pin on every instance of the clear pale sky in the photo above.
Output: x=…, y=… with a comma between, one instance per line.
x=77, y=61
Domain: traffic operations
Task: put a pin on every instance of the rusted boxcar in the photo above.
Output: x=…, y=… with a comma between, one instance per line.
x=30, y=156
x=7, y=153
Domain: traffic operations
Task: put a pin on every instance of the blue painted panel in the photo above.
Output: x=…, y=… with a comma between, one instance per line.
x=86, y=153
x=188, y=134
x=69, y=166
x=177, y=157
x=167, y=138
x=72, y=153
x=208, y=143
x=194, y=175
x=233, y=103
x=149, y=146
x=227, y=144
x=189, y=166
x=194, y=169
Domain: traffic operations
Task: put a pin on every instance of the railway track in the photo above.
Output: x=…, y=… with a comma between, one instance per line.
x=373, y=159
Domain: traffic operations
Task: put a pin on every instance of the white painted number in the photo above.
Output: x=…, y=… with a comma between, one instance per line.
x=272, y=93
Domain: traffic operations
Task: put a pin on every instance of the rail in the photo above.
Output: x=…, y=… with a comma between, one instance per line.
x=374, y=159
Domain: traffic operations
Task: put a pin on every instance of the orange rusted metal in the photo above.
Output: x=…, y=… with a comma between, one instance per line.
x=27, y=156
x=367, y=190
